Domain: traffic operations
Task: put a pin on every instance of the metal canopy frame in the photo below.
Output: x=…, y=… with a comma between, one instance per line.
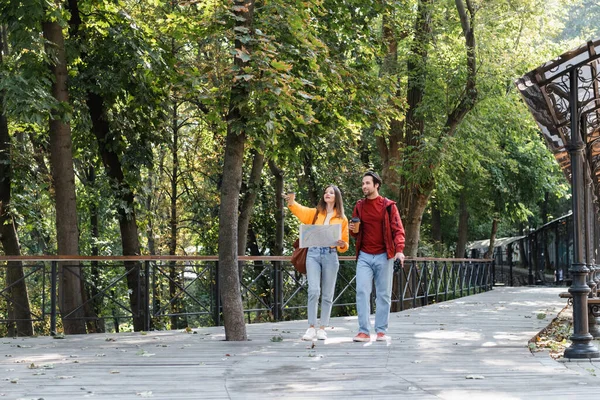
x=547, y=93
x=563, y=96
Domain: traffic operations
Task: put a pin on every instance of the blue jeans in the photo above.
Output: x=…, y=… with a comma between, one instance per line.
x=322, y=267
x=371, y=267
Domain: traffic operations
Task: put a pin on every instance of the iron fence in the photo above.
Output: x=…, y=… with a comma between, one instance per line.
x=185, y=291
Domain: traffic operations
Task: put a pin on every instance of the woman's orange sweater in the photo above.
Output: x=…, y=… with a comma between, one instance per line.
x=307, y=214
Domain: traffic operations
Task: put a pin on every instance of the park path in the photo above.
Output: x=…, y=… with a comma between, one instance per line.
x=470, y=348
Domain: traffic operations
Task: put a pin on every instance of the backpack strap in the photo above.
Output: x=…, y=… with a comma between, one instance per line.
x=389, y=216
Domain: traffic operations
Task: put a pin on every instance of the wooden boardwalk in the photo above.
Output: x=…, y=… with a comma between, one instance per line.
x=470, y=348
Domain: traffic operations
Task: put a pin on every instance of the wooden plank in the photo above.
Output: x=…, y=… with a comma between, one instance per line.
x=470, y=347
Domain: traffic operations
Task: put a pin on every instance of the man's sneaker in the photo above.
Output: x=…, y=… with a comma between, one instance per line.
x=310, y=334
x=382, y=337
x=321, y=334
x=362, y=337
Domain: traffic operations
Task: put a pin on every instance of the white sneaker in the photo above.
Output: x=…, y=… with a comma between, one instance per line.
x=321, y=334
x=310, y=334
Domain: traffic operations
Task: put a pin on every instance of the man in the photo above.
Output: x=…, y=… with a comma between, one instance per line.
x=379, y=241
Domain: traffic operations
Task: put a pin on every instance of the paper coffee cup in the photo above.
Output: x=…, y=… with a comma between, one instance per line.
x=291, y=197
x=356, y=222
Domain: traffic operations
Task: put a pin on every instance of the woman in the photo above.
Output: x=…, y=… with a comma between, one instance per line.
x=322, y=263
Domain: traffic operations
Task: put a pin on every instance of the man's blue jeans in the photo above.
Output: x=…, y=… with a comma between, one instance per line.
x=376, y=267
x=322, y=267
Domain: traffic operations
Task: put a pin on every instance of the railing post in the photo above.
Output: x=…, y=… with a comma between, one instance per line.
x=468, y=276
x=53, y=292
x=531, y=257
x=217, y=298
x=490, y=285
x=510, y=264
x=401, y=285
x=425, y=300
x=446, y=277
x=453, y=272
x=436, y=280
x=487, y=271
x=461, y=277
x=277, y=291
x=413, y=284
x=147, y=319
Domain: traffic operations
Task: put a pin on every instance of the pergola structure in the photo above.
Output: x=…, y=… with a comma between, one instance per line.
x=564, y=97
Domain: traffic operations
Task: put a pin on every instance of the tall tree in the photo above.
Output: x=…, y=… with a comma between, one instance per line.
x=63, y=175
x=233, y=313
x=410, y=171
x=19, y=313
x=124, y=115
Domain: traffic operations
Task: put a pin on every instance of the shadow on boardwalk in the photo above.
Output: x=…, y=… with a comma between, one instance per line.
x=473, y=347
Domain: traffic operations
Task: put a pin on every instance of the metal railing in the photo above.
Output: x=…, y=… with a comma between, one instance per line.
x=185, y=291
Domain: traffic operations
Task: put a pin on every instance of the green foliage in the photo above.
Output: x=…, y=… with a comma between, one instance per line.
x=321, y=91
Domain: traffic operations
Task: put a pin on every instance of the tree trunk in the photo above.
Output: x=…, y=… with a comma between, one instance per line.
x=175, y=278
x=389, y=149
x=19, y=313
x=252, y=189
x=150, y=188
x=44, y=177
x=523, y=255
x=279, y=213
x=463, y=225
x=125, y=209
x=436, y=229
x=233, y=314
x=150, y=208
x=94, y=306
x=412, y=221
x=490, y=251
x=308, y=180
x=233, y=311
x=63, y=176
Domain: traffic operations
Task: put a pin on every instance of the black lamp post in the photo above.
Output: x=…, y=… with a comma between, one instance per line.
x=582, y=346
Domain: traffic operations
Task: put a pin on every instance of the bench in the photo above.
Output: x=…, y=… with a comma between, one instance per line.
x=593, y=302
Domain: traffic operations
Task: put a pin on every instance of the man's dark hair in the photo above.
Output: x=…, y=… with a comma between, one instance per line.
x=375, y=176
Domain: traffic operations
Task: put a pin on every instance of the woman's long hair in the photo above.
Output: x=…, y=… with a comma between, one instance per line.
x=338, y=206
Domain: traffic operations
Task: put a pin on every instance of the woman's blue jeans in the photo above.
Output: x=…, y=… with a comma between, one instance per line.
x=322, y=267
x=376, y=267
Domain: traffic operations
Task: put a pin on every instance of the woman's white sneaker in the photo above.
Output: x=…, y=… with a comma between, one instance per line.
x=310, y=334
x=321, y=334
